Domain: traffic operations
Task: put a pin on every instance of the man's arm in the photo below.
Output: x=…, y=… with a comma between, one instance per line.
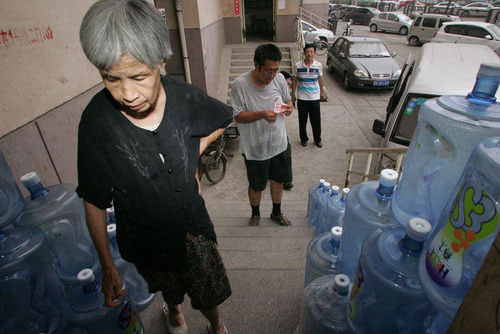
x=111, y=280
x=252, y=116
x=320, y=81
x=205, y=141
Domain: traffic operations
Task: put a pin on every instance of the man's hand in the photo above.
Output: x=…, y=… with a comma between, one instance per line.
x=288, y=108
x=269, y=115
x=112, y=286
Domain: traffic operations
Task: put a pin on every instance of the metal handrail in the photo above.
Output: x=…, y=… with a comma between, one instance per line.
x=312, y=18
x=370, y=151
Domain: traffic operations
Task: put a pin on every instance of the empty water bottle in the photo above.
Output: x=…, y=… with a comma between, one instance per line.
x=448, y=129
x=335, y=211
x=58, y=213
x=11, y=200
x=325, y=303
x=312, y=205
x=386, y=296
x=31, y=297
x=367, y=208
x=90, y=315
x=465, y=231
x=322, y=255
x=136, y=285
x=319, y=227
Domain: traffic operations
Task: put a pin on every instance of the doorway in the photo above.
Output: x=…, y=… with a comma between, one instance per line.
x=259, y=20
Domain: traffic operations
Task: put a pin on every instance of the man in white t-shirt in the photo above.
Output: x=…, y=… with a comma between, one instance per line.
x=260, y=100
x=307, y=89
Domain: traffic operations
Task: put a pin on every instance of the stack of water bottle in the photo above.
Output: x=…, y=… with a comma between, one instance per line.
x=411, y=251
x=49, y=269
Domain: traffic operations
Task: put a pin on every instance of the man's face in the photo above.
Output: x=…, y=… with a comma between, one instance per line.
x=266, y=73
x=309, y=54
x=134, y=85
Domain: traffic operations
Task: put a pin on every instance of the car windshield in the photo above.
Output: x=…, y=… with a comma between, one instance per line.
x=368, y=49
x=403, y=17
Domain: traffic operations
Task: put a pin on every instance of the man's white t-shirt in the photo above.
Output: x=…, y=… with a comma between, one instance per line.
x=260, y=140
x=307, y=80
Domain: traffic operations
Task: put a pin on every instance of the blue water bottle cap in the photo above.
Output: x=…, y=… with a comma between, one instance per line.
x=388, y=177
x=86, y=276
x=111, y=230
x=335, y=190
x=30, y=179
x=345, y=191
x=327, y=184
x=418, y=229
x=336, y=233
x=341, y=283
x=321, y=181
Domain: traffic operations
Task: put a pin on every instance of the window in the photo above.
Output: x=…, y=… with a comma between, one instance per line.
x=383, y=16
x=441, y=21
x=429, y=22
x=477, y=32
x=417, y=22
x=455, y=29
x=345, y=48
x=336, y=46
x=392, y=17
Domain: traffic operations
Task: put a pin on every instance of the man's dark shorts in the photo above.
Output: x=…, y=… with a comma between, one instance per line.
x=277, y=168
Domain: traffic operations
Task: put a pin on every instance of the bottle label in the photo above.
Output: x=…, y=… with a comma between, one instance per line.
x=127, y=320
x=473, y=217
x=355, y=291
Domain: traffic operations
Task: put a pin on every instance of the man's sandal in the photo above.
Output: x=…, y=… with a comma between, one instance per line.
x=254, y=221
x=281, y=219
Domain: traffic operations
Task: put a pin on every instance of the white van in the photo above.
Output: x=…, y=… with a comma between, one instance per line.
x=425, y=26
x=439, y=69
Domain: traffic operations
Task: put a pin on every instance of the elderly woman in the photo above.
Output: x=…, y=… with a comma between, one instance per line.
x=139, y=142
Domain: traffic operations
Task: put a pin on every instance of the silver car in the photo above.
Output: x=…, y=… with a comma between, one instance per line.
x=311, y=32
x=475, y=9
x=441, y=8
x=391, y=22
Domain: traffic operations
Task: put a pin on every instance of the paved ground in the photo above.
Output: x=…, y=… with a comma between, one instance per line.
x=266, y=263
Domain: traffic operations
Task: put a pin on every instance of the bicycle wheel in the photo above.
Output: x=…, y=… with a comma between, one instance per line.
x=321, y=48
x=215, y=168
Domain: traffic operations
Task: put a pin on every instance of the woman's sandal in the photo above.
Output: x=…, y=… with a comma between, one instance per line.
x=209, y=330
x=182, y=329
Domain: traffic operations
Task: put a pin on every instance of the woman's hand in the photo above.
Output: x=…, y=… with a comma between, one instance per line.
x=112, y=286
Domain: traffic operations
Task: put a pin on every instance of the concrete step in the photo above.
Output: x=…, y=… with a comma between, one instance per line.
x=244, y=69
x=285, y=55
x=251, y=50
x=262, y=231
x=249, y=62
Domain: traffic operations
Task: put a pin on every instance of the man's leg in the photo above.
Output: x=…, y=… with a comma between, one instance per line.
x=303, y=112
x=254, y=196
x=315, y=117
x=213, y=315
x=175, y=316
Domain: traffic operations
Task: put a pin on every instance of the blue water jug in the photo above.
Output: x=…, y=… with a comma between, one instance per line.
x=312, y=203
x=437, y=323
x=467, y=227
x=367, y=209
x=325, y=303
x=31, y=296
x=332, y=194
x=110, y=216
x=447, y=131
x=335, y=211
x=311, y=196
x=58, y=213
x=386, y=296
x=11, y=200
x=323, y=198
x=322, y=255
x=136, y=285
x=90, y=315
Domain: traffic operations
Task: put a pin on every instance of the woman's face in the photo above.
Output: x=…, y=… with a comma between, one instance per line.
x=134, y=85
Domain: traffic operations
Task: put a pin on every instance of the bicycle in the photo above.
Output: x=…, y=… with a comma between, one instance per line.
x=347, y=29
x=321, y=45
x=213, y=161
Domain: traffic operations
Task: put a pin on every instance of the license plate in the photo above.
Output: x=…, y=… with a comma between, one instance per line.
x=381, y=83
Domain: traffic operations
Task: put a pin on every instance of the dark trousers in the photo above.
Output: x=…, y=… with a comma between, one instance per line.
x=309, y=109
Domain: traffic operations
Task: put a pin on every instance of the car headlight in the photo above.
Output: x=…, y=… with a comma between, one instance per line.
x=361, y=74
x=396, y=74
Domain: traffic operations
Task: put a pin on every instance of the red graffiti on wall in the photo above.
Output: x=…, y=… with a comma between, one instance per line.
x=11, y=37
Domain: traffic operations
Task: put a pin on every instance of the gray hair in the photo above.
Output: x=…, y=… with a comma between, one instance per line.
x=112, y=28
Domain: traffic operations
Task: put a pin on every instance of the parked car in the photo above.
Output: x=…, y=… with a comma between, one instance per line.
x=438, y=69
x=496, y=4
x=363, y=62
x=470, y=32
x=416, y=6
x=361, y=15
x=425, y=26
x=475, y=9
x=311, y=32
x=441, y=7
x=340, y=11
x=391, y=22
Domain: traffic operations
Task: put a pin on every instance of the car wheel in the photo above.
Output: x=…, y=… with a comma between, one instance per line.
x=373, y=28
x=347, y=82
x=413, y=41
x=403, y=31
